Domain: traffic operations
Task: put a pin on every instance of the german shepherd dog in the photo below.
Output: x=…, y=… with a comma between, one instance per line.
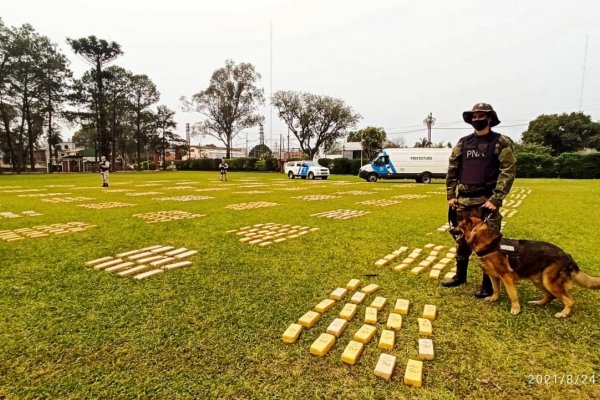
x=507, y=260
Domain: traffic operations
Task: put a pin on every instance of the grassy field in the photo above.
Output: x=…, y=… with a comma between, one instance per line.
x=213, y=329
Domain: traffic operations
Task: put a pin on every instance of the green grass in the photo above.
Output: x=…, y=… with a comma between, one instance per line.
x=213, y=329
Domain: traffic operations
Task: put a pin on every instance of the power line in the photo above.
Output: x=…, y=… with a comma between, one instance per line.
x=424, y=130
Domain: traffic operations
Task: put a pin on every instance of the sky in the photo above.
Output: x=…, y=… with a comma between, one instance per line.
x=393, y=62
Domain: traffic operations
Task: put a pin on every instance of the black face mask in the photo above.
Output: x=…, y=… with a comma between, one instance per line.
x=480, y=124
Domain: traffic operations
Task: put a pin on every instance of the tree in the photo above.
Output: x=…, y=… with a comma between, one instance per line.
x=230, y=103
x=562, y=133
x=8, y=107
x=98, y=53
x=335, y=148
x=84, y=108
x=143, y=95
x=54, y=139
x=85, y=137
x=33, y=76
x=423, y=142
x=118, y=109
x=164, y=125
x=316, y=121
x=396, y=143
x=261, y=151
x=54, y=76
x=532, y=148
x=372, y=140
x=22, y=90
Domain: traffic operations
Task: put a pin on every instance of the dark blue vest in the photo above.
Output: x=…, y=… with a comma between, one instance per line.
x=480, y=166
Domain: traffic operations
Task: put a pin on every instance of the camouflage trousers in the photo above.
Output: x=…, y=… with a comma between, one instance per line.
x=104, y=177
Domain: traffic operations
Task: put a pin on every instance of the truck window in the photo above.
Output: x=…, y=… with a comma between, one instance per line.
x=382, y=160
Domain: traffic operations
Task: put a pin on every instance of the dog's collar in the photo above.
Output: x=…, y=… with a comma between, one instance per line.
x=490, y=248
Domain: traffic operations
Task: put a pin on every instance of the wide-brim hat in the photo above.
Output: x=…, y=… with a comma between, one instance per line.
x=482, y=107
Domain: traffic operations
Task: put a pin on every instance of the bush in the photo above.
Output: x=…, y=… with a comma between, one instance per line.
x=578, y=166
x=267, y=164
x=326, y=162
x=250, y=163
x=529, y=165
x=566, y=166
x=146, y=165
x=532, y=165
x=355, y=166
x=235, y=164
x=341, y=166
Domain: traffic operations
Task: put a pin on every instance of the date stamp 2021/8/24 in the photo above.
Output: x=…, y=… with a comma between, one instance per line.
x=561, y=379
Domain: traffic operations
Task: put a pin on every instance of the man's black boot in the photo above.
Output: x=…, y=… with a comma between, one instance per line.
x=486, y=289
x=460, y=278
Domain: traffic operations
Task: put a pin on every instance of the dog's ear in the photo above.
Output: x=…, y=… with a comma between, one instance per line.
x=465, y=222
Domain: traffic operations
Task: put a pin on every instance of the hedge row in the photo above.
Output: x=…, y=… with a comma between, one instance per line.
x=341, y=166
x=235, y=164
x=566, y=166
x=529, y=165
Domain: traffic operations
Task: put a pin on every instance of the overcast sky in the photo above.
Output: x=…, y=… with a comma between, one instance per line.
x=391, y=61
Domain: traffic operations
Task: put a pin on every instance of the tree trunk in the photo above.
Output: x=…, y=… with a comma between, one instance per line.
x=228, y=150
x=9, y=140
x=104, y=140
x=49, y=161
x=30, y=137
x=113, y=138
x=164, y=161
x=112, y=155
x=20, y=150
x=138, y=141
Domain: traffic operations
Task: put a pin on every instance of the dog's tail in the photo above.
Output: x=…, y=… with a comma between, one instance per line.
x=586, y=281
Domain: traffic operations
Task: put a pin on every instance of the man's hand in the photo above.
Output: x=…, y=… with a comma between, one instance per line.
x=453, y=203
x=490, y=206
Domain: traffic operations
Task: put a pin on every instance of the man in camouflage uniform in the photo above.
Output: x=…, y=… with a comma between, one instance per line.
x=104, y=167
x=481, y=172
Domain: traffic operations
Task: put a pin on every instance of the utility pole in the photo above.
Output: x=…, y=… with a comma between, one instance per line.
x=583, y=75
x=429, y=122
x=261, y=135
x=271, y=90
x=288, y=152
x=187, y=138
x=246, y=144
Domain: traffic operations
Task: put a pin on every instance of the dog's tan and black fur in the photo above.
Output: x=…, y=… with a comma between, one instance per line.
x=546, y=265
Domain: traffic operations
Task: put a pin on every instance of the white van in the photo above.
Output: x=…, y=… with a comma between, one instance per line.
x=421, y=164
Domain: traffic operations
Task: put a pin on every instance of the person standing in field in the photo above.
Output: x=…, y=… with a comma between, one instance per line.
x=104, y=167
x=481, y=172
x=223, y=166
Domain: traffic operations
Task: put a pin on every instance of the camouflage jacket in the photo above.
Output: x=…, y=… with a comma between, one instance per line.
x=508, y=168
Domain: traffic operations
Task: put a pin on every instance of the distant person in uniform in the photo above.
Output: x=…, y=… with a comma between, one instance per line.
x=104, y=167
x=481, y=172
x=223, y=166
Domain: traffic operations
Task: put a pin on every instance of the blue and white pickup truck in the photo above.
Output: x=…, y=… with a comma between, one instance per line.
x=306, y=169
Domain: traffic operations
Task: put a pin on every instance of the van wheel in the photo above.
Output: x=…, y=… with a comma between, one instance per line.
x=418, y=180
x=311, y=176
x=291, y=175
x=372, y=178
x=426, y=178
